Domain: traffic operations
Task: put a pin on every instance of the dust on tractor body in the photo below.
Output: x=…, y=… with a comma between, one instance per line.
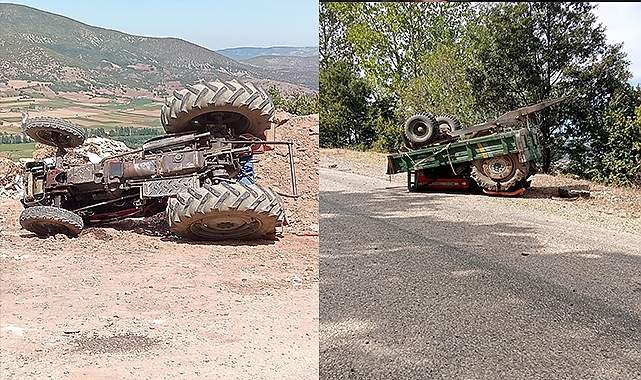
x=493, y=156
x=200, y=173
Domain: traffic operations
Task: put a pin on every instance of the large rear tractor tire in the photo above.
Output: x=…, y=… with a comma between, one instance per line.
x=55, y=131
x=499, y=173
x=242, y=106
x=49, y=221
x=226, y=211
x=421, y=129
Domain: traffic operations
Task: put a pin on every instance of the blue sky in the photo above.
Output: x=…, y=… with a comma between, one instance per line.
x=214, y=24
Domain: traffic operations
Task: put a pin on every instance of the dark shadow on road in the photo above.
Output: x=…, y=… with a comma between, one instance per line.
x=542, y=192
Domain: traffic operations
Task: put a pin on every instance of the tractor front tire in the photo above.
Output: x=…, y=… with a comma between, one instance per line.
x=49, y=221
x=421, y=129
x=225, y=211
x=55, y=131
x=448, y=124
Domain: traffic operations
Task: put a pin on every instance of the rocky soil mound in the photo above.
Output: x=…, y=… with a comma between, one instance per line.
x=93, y=150
x=10, y=179
x=272, y=169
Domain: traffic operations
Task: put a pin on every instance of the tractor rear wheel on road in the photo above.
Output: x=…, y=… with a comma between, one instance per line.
x=241, y=106
x=225, y=211
x=499, y=173
x=55, y=131
x=48, y=221
x=421, y=129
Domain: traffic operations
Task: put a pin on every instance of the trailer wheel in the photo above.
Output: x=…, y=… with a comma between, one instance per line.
x=240, y=106
x=225, y=211
x=406, y=141
x=499, y=173
x=48, y=220
x=448, y=124
x=55, y=131
x=421, y=129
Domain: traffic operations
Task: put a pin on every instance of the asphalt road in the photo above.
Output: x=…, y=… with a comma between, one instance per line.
x=455, y=286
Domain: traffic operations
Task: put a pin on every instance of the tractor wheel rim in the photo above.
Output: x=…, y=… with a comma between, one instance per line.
x=237, y=122
x=230, y=225
x=54, y=137
x=48, y=228
x=498, y=168
x=420, y=129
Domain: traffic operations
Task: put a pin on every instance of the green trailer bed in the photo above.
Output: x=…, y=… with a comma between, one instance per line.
x=523, y=142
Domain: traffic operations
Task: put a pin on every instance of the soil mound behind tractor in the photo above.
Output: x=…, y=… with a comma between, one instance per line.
x=200, y=173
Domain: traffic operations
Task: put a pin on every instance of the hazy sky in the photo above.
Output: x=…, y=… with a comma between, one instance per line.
x=214, y=24
x=218, y=24
x=622, y=22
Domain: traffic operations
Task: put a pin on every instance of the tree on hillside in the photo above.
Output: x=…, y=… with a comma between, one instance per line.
x=297, y=103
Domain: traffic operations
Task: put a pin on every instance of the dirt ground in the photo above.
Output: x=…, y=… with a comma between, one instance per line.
x=132, y=301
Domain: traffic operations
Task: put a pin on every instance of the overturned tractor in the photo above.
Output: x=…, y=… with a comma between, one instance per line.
x=497, y=156
x=200, y=173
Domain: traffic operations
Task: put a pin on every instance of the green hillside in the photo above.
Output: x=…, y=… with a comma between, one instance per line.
x=42, y=46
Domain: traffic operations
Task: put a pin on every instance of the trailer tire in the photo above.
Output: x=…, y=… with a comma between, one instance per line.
x=448, y=124
x=225, y=211
x=241, y=106
x=406, y=141
x=53, y=131
x=421, y=129
x=48, y=220
x=499, y=173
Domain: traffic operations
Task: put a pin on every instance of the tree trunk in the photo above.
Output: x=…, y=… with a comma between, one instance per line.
x=545, y=160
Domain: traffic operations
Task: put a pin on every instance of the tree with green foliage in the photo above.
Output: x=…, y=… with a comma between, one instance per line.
x=10, y=138
x=333, y=46
x=297, y=103
x=344, y=93
x=443, y=89
x=391, y=41
x=619, y=158
x=383, y=121
x=392, y=46
x=344, y=111
x=528, y=52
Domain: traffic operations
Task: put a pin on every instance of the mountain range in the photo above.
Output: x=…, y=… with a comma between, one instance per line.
x=245, y=53
x=46, y=47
